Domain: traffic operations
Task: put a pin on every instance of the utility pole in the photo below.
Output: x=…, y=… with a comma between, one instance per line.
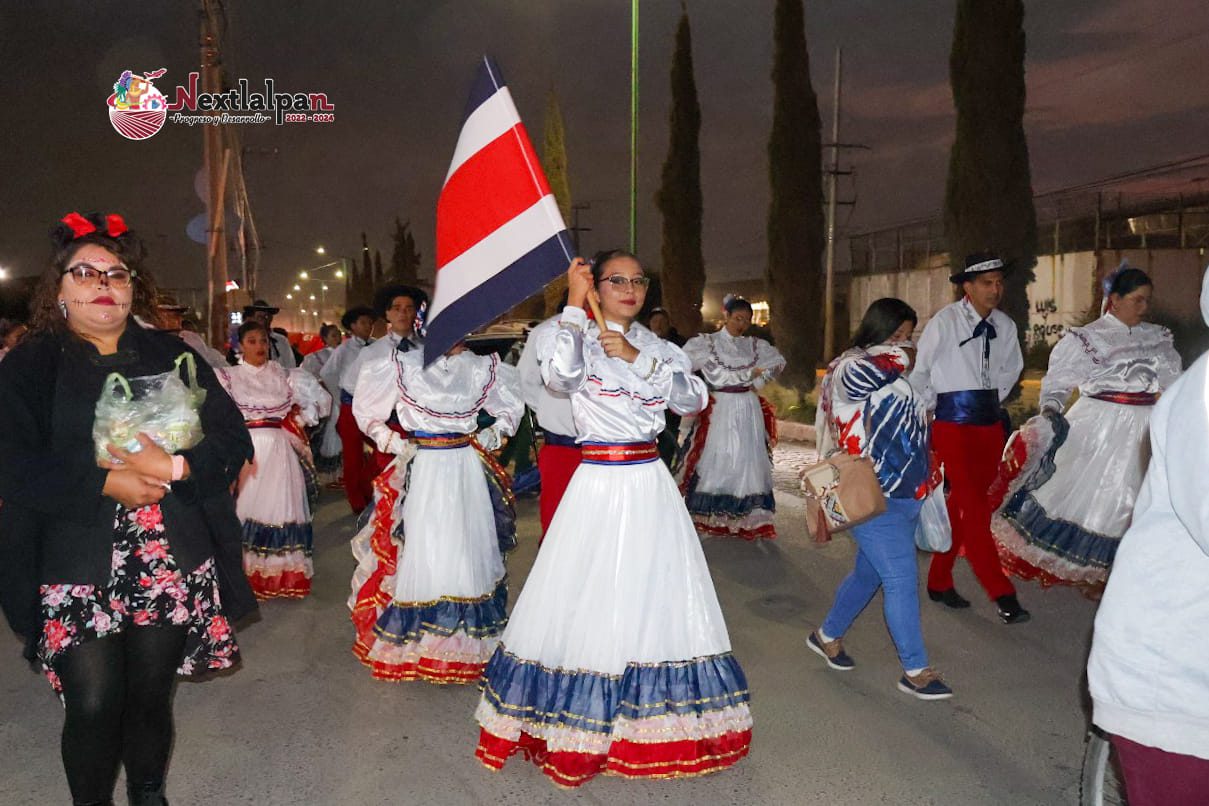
x=829, y=255
x=833, y=174
x=634, y=126
x=217, y=163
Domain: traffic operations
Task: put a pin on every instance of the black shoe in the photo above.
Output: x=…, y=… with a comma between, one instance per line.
x=147, y=794
x=1010, y=611
x=950, y=598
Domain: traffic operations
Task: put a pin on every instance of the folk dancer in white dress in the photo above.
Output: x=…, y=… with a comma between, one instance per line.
x=1061, y=524
x=325, y=443
x=724, y=466
x=616, y=658
x=272, y=499
x=429, y=594
x=339, y=375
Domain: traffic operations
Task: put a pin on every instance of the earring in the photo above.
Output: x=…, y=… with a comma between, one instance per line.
x=63, y=308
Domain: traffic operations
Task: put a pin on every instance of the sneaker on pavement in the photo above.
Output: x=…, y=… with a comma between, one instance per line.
x=926, y=685
x=831, y=651
x=1010, y=610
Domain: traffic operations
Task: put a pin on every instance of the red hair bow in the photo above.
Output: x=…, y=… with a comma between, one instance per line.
x=115, y=225
x=80, y=225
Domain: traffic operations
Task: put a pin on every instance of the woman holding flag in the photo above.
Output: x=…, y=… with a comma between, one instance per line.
x=616, y=658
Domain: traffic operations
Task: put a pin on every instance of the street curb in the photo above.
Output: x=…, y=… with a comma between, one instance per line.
x=795, y=432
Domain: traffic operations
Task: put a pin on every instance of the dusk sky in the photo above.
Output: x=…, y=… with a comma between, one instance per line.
x=1113, y=85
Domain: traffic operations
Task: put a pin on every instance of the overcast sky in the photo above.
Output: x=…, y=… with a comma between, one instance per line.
x=1113, y=85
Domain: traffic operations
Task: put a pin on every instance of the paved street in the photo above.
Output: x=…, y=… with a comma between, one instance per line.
x=303, y=723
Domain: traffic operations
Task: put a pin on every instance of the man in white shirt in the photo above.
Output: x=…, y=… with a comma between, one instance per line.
x=968, y=362
x=559, y=454
x=279, y=345
x=337, y=375
x=398, y=304
x=172, y=319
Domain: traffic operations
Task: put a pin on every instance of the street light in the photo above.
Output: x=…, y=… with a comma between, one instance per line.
x=297, y=287
x=319, y=250
x=304, y=275
x=4, y=273
x=289, y=296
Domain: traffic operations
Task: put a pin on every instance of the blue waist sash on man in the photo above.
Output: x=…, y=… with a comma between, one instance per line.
x=346, y=399
x=969, y=407
x=560, y=440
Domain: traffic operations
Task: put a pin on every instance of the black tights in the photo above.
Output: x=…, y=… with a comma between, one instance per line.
x=118, y=696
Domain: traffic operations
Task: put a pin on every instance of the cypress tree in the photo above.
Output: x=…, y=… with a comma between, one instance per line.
x=404, y=259
x=682, y=274
x=379, y=277
x=554, y=163
x=989, y=193
x=795, y=215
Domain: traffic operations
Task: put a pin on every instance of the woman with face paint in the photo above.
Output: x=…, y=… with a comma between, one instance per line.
x=108, y=568
x=724, y=466
x=1060, y=524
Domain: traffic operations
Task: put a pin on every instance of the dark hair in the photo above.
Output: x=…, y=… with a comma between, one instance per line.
x=45, y=315
x=658, y=310
x=883, y=317
x=1129, y=280
x=384, y=297
x=323, y=331
x=353, y=314
x=601, y=258
x=250, y=325
x=732, y=304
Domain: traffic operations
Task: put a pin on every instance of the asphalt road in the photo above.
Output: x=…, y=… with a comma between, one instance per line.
x=302, y=722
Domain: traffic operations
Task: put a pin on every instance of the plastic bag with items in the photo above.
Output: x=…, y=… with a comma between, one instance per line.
x=164, y=407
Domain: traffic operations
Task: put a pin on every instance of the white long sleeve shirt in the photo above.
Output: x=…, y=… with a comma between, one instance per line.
x=1109, y=356
x=378, y=350
x=338, y=369
x=553, y=409
x=726, y=360
x=445, y=398
x=612, y=400
x=269, y=392
x=946, y=364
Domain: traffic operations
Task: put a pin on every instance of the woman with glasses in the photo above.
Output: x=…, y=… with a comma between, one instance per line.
x=616, y=658
x=278, y=405
x=108, y=568
x=724, y=466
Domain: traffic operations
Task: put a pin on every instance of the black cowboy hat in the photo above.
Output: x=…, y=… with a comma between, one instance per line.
x=355, y=313
x=980, y=263
x=169, y=305
x=260, y=305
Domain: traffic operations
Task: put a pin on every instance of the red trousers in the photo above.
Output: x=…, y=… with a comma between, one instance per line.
x=1155, y=777
x=970, y=454
x=556, y=464
x=358, y=475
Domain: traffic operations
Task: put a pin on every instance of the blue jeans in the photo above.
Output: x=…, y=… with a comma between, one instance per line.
x=885, y=558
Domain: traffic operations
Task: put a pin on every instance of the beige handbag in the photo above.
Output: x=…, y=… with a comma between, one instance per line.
x=842, y=491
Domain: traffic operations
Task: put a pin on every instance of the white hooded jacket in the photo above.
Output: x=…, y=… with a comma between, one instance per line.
x=1149, y=665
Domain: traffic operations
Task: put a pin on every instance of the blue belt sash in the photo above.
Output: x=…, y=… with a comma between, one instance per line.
x=969, y=407
x=345, y=398
x=561, y=440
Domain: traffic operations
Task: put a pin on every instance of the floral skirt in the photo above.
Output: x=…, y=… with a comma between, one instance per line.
x=146, y=589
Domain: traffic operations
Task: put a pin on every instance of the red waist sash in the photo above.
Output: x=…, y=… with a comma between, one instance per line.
x=619, y=453
x=272, y=422
x=1129, y=398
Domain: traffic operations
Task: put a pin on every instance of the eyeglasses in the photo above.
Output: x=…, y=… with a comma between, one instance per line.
x=87, y=274
x=619, y=282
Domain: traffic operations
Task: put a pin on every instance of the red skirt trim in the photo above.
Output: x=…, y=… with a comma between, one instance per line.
x=627, y=759
x=288, y=585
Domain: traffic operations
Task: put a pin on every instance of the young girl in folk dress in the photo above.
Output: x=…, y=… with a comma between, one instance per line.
x=725, y=464
x=429, y=593
x=272, y=499
x=616, y=658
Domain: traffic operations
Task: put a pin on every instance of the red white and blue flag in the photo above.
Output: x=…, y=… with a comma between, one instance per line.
x=500, y=235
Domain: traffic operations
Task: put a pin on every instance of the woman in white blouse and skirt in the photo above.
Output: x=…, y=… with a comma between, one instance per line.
x=1070, y=481
x=272, y=499
x=429, y=593
x=724, y=465
x=616, y=659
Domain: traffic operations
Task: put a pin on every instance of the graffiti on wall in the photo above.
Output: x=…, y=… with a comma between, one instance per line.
x=1045, y=330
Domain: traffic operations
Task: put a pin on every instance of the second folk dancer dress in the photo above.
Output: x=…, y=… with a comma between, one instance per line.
x=1066, y=511
x=272, y=501
x=724, y=467
x=616, y=659
x=429, y=593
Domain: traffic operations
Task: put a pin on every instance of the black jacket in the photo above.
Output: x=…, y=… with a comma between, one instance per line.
x=56, y=526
